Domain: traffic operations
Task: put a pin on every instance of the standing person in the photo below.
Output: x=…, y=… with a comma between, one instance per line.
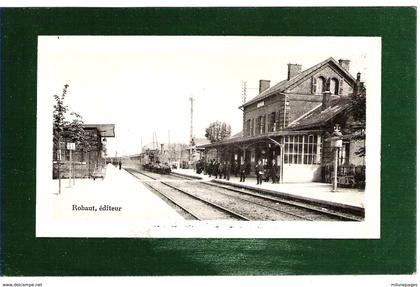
x=274, y=171
x=235, y=168
x=119, y=164
x=266, y=172
x=259, y=172
x=242, y=172
x=210, y=168
x=224, y=170
x=201, y=166
x=197, y=167
x=220, y=169
x=227, y=170
x=204, y=167
x=216, y=169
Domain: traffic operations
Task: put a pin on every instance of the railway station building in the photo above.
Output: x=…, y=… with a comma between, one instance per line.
x=292, y=121
x=86, y=163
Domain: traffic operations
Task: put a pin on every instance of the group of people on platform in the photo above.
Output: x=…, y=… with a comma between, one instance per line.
x=223, y=169
x=217, y=169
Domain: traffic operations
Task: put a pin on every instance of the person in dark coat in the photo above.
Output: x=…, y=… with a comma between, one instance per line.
x=197, y=167
x=274, y=171
x=227, y=170
x=224, y=169
x=221, y=166
x=119, y=164
x=210, y=168
x=204, y=167
x=216, y=169
x=242, y=172
x=266, y=172
x=259, y=171
x=235, y=168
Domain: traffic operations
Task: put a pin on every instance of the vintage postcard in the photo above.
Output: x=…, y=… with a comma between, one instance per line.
x=208, y=137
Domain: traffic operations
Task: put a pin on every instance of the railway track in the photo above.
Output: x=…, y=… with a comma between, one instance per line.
x=193, y=207
x=319, y=212
x=313, y=212
x=248, y=204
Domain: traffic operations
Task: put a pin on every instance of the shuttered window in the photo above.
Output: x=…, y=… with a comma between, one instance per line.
x=313, y=85
x=248, y=127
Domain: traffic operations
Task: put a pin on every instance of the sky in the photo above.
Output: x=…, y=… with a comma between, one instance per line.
x=142, y=84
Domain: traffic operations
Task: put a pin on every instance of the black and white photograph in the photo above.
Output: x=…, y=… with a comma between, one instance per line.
x=208, y=137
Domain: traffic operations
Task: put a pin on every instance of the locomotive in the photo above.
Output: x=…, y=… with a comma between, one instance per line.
x=152, y=162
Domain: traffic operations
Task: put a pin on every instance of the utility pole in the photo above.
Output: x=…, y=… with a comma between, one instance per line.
x=191, y=119
x=191, y=127
x=244, y=91
x=155, y=140
x=169, y=145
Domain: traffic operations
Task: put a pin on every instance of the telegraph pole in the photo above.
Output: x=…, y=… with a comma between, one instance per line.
x=156, y=138
x=141, y=145
x=191, y=118
x=244, y=88
x=169, y=145
x=191, y=126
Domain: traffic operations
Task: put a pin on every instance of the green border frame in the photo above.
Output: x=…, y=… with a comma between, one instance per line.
x=24, y=254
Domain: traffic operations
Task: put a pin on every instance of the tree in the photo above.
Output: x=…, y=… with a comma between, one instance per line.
x=59, y=118
x=59, y=124
x=67, y=131
x=358, y=112
x=75, y=133
x=218, y=131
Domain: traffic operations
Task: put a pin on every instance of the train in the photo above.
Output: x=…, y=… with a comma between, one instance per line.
x=161, y=168
x=153, y=162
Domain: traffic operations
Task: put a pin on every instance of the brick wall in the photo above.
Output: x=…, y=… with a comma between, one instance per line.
x=273, y=104
x=305, y=87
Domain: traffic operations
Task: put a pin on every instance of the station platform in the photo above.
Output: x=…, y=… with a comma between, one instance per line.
x=119, y=189
x=312, y=191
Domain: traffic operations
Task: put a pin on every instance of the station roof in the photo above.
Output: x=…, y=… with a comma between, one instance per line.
x=201, y=141
x=285, y=84
x=243, y=140
x=311, y=122
x=106, y=130
x=318, y=117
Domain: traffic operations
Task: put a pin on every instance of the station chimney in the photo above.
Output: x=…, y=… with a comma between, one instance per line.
x=264, y=85
x=293, y=70
x=345, y=64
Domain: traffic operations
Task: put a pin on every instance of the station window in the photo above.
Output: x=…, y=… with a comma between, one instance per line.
x=334, y=85
x=248, y=127
x=262, y=125
x=272, y=125
x=320, y=85
x=344, y=154
x=258, y=127
x=301, y=149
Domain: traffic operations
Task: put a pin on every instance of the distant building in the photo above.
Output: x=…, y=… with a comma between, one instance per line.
x=86, y=163
x=195, y=150
x=290, y=123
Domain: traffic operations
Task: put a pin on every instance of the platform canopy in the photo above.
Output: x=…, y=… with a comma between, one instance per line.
x=106, y=130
